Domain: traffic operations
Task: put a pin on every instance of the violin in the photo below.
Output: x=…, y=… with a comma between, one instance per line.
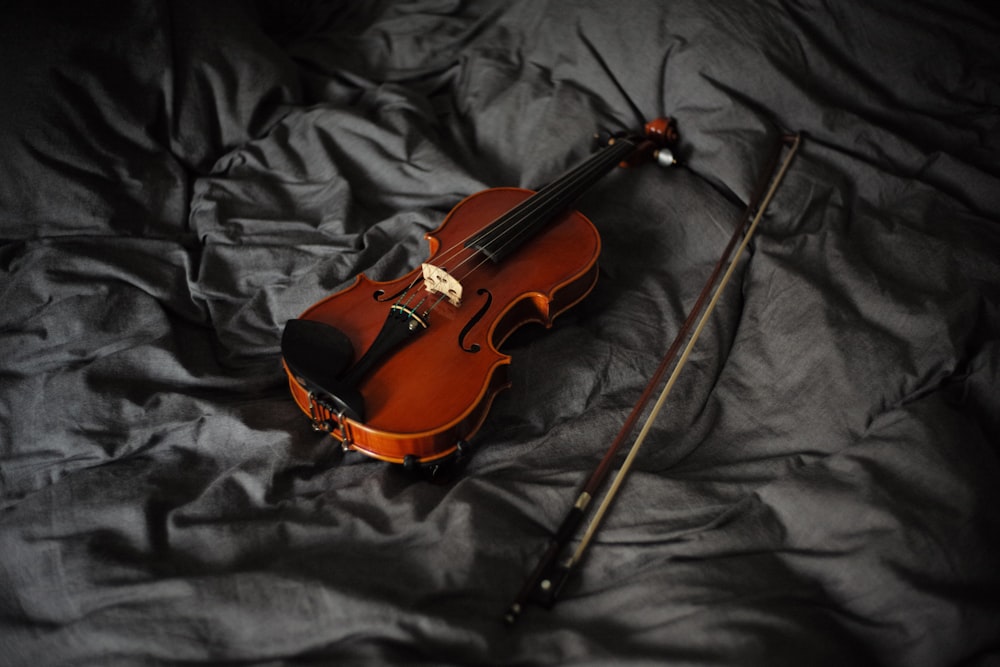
x=406, y=370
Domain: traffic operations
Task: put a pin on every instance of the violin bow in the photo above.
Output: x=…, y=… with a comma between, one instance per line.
x=550, y=574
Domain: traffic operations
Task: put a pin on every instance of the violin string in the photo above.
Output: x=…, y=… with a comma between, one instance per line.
x=547, y=197
x=551, y=194
x=522, y=213
x=530, y=206
x=399, y=301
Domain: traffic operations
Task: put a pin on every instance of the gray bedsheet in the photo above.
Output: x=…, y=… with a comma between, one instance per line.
x=178, y=179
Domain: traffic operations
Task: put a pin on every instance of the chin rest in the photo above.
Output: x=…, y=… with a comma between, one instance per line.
x=318, y=354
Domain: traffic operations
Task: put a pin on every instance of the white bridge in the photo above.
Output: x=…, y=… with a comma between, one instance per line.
x=439, y=281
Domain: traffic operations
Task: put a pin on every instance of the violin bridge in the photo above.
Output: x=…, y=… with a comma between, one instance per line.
x=439, y=281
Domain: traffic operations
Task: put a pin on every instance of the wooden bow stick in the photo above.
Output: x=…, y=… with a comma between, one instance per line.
x=548, y=577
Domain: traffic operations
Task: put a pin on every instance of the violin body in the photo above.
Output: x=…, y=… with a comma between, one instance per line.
x=406, y=370
x=435, y=391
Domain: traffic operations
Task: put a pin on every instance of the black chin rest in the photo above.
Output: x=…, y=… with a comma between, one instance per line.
x=317, y=354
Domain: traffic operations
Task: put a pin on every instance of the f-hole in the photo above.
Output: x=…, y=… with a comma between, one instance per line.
x=379, y=293
x=473, y=321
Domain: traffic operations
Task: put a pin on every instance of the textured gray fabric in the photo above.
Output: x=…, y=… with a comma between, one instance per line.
x=179, y=179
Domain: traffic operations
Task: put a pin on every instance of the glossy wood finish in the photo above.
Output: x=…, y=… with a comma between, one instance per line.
x=433, y=391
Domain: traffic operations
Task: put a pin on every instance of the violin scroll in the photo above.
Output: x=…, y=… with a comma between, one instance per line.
x=661, y=130
x=655, y=143
x=662, y=133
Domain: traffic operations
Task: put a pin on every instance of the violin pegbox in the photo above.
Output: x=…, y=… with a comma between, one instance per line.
x=604, y=138
x=662, y=133
x=661, y=130
x=655, y=143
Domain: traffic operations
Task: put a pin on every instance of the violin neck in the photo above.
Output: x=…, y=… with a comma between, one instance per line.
x=513, y=228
